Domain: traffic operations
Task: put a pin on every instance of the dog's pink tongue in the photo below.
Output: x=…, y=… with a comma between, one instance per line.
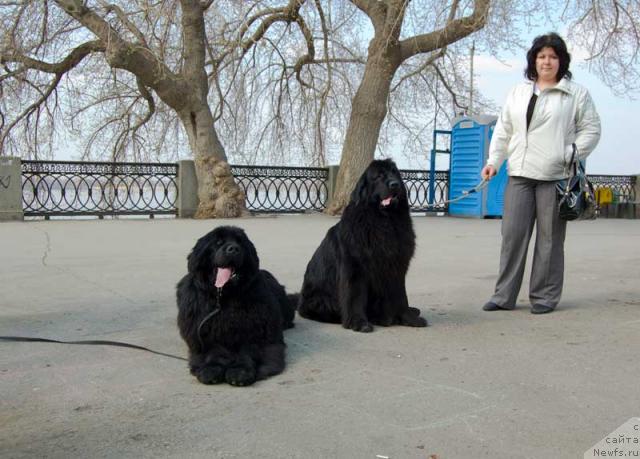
x=222, y=276
x=386, y=202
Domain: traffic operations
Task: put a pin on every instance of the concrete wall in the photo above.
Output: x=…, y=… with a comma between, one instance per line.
x=332, y=181
x=11, y=188
x=187, y=189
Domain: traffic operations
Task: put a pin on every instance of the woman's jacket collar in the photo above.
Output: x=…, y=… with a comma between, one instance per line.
x=563, y=85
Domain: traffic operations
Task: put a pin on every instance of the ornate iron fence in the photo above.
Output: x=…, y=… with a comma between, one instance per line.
x=417, y=184
x=621, y=186
x=299, y=189
x=51, y=188
x=283, y=189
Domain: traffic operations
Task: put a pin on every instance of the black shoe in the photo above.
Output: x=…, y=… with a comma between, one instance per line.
x=493, y=307
x=541, y=309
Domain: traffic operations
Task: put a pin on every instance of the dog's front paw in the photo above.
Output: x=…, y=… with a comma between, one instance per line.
x=385, y=321
x=240, y=376
x=362, y=326
x=411, y=319
x=210, y=374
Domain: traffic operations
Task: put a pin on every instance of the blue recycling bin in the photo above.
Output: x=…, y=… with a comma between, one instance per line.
x=470, y=138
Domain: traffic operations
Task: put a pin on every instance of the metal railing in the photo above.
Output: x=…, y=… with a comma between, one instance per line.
x=417, y=184
x=61, y=188
x=56, y=188
x=283, y=189
x=621, y=186
x=299, y=189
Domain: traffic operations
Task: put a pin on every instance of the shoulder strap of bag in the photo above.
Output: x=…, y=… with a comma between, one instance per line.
x=573, y=164
x=571, y=169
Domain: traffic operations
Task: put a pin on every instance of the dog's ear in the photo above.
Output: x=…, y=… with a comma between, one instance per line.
x=359, y=193
x=199, y=260
x=251, y=252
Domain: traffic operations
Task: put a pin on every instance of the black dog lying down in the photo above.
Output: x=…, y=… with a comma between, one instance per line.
x=231, y=314
x=357, y=275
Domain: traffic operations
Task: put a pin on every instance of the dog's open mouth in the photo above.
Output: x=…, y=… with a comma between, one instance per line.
x=223, y=275
x=387, y=201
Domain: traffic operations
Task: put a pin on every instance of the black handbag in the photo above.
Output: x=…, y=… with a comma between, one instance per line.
x=576, y=197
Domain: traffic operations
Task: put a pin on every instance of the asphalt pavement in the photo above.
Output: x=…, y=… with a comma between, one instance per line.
x=473, y=384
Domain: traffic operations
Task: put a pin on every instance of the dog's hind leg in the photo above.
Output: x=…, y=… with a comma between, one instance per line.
x=288, y=309
x=317, y=307
x=272, y=357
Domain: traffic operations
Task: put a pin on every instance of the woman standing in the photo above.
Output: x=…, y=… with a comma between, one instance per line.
x=541, y=122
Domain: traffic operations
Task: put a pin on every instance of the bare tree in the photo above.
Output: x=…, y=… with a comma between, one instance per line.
x=299, y=103
x=609, y=32
x=151, y=50
x=276, y=81
x=416, y=62
x=387, y=51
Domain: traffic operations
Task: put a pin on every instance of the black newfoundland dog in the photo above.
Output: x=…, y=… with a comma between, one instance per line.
x=231, y=313
x=357, y=275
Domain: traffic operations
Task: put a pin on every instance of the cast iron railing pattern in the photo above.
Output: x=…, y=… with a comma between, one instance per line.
x=51, y=188
x=283, y=189
x=417, y=184
x=622, y=186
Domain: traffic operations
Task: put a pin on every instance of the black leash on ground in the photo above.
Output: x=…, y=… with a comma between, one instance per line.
x=26, y=339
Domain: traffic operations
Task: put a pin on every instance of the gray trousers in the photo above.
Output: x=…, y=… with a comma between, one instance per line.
x=526, y=202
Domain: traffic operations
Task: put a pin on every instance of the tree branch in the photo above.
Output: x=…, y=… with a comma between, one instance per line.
x=69, y=62
x=375, y=10
x=366, y=6
x=206, y=4
x=310, y=51
x=31, y=108
x=447, y=87
x=125, y=20
x=450, y=33
x=421, y=68
x=136, y=59
x=287, y=14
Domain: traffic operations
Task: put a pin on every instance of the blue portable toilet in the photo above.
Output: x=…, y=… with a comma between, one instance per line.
x=470, y=138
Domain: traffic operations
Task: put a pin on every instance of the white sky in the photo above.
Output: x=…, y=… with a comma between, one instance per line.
x=617, y=152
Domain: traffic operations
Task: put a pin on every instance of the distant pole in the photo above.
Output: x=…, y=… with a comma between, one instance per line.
x=473, y=51
x=432, y=156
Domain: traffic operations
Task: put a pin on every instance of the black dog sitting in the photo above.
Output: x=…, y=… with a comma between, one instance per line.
x=231, y=314
x=357, y=275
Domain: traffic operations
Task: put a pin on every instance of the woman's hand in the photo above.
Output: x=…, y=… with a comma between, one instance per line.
x=488, y=172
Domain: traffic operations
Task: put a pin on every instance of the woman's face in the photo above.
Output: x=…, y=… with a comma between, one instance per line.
x=547, y=64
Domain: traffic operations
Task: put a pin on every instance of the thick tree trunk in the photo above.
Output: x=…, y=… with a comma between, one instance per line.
x=386, y=53
x=219, y=195
x=368, y=111
x=185, y=92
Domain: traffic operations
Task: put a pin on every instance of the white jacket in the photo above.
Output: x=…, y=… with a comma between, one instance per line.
x=563, y=115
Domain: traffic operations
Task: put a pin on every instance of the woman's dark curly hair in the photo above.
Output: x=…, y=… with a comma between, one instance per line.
x=551, y=40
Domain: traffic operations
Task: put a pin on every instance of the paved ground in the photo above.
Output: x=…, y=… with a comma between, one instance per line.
x=472, y=385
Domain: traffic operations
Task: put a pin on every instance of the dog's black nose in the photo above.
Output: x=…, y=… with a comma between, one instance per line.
x=232, y=249
x=393, y=184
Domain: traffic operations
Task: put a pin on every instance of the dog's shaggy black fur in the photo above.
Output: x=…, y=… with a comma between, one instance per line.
x=357, y=275
x=231, y=313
